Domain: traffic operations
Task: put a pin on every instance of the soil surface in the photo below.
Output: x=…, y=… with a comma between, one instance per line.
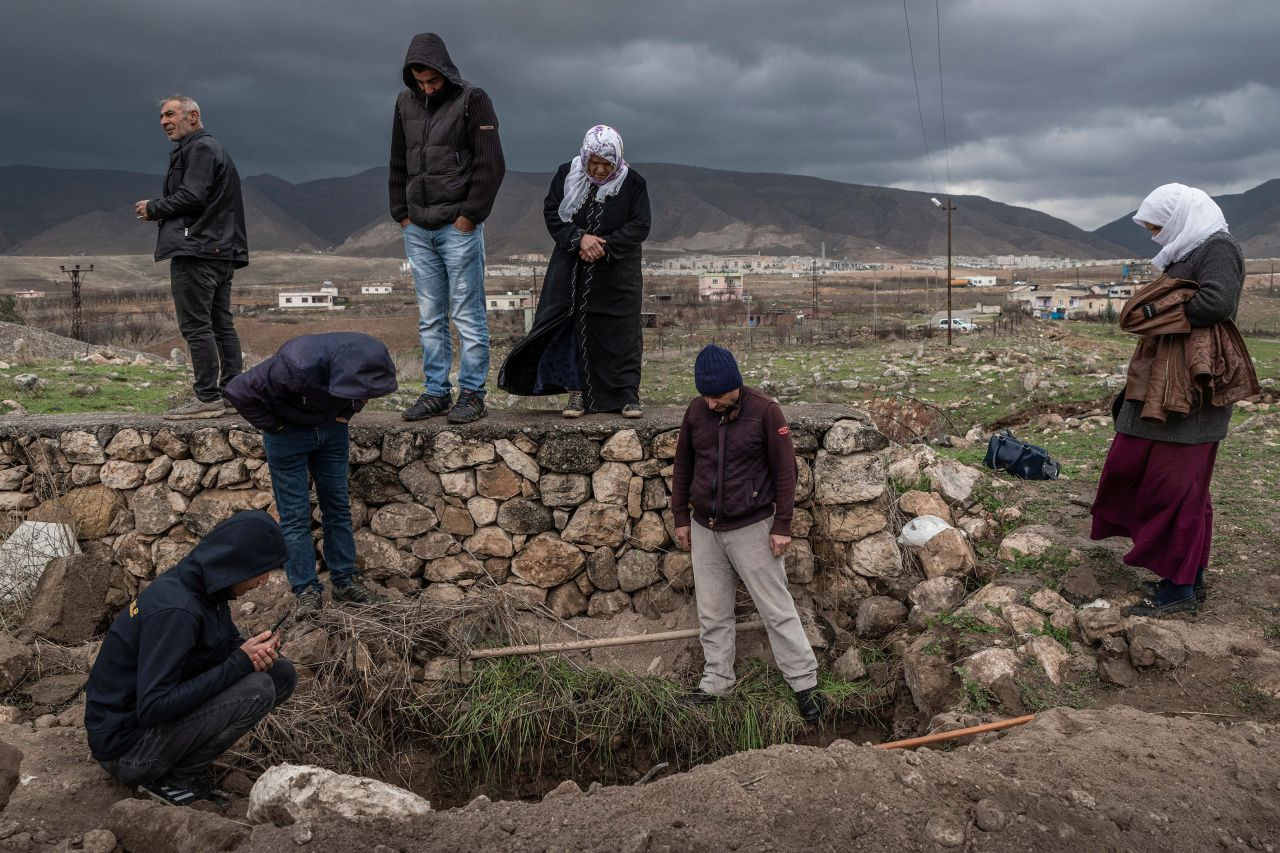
x=1109, y=779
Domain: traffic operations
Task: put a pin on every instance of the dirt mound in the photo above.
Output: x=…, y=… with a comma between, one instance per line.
x=42, y=344
x=1071, y=780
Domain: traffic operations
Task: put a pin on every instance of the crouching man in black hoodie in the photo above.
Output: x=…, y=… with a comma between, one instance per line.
x=175, y=685
x=302, y=399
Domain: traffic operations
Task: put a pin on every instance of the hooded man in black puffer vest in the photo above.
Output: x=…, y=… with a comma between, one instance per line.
x=446, y=168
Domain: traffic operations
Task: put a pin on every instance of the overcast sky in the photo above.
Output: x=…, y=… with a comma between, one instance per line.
x=1077, y=108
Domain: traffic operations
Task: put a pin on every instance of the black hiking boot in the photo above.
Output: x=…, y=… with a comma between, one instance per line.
x=427, y=406
x=810, y=704
x=166, y=792
x=310, y=602
x=697, y=697
x=1169, y=599
x=1152, y=588
x=206, y=788
x=575, y=408
x=356, y=593
x=470, y=407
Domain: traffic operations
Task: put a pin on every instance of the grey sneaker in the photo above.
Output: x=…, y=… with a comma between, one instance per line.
x=470, y=407
x=196, y=409
x=356, y=593
x=427, y=406
x=310, y=602
x=632, y=410
x=575, y=407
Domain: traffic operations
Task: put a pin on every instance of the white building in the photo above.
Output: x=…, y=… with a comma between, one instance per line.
x=326, y=298
x=982, y=280
x=508, y=301
x=375, y=289
x=29, y=294
x=720, y=287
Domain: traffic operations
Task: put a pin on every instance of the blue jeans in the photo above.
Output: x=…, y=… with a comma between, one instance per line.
x=448, y=277
x=322, y=451
x=182, y=749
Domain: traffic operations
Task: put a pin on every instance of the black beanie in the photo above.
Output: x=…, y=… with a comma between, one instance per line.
x=715, y=372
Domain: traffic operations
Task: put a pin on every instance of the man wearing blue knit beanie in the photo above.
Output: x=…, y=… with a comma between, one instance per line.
x=735, y=474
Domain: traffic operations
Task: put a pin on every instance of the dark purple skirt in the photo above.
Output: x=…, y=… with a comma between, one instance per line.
x=1157, y=494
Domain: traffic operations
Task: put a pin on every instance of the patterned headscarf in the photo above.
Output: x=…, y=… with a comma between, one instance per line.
x=604, y=142
x=1186, y=216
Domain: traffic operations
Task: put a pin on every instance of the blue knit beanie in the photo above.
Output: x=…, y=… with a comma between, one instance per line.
x=715, y=372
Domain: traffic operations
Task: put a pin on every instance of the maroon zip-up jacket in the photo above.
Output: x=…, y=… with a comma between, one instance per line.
x=735, y=469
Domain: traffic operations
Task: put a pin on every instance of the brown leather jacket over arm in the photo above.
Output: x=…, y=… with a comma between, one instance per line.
x=1178, y=368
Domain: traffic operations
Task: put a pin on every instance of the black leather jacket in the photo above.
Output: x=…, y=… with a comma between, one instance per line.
x=201, y=214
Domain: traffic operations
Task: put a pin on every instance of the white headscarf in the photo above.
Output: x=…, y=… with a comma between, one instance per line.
x=604, y=142
x=1186, y=216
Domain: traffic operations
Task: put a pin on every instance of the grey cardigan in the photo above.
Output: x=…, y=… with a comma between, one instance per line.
x=1217, y=265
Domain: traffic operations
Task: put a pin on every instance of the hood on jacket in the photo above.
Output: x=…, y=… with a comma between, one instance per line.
x=244, y=546
x=428, y=49
x=360, y=367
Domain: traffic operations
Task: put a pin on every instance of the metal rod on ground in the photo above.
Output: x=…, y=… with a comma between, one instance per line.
x=937, y=737
x=600, y=643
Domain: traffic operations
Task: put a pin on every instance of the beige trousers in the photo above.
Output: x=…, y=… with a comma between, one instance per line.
x=719, y=559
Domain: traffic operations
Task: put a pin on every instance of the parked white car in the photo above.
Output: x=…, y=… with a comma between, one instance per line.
x=958, y=324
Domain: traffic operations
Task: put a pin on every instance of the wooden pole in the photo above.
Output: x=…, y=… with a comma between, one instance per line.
x=599, y=643
x=937, y=737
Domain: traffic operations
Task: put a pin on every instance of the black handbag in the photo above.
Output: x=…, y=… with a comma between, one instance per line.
x=1006, y=453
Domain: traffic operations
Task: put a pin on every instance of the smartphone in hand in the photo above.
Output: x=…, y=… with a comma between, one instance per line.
x=275, y=629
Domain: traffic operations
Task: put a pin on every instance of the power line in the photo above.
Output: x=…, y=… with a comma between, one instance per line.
x=919, y=107
x=946, y=152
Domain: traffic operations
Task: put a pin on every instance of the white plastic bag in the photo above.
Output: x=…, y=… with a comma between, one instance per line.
x=919, y=531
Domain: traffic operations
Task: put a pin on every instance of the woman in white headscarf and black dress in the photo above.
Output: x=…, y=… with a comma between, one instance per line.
x=586, y=338
x=1154, y=486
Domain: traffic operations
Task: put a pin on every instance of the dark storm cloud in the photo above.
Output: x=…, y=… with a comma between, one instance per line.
x=1075, y=108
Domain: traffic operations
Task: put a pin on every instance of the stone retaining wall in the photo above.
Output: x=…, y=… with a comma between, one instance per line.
x=575, y=516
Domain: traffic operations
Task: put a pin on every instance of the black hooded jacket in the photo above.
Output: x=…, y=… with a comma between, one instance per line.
x=446, y=157
x=175, y=647
x=202, y=213
x=313, y=380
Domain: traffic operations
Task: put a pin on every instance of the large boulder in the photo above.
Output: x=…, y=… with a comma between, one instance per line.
x=15, y=662
x=10, y=771
x=524, y=516
x=69, y=605
x=452, y=452
x=1030, y=541
x=597, y=524
x=848, y=479
x=1155, y=645
x=377, y=483
x=288, y=793
x=398, y=520
x=623, y=446
x=637, y=570
x=848, y=523
x=152, y=512
x=546, y=561
x=564, y=490
x=953, y=480
x=569, y=454
x=850, y=436
x=517, y=460
x=928, y=673
x=947, y=554
x=214, y=506
x=89, y=510
x=161, y=828
x=208, y=445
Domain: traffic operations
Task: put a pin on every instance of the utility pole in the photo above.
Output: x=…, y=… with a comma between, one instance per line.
x=948, y=207
x=813, y=278
x=76, y=274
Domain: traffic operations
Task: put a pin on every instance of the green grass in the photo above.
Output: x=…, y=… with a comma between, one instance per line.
x=532, y=716
x=1049, y=566
x=961, y=621
x=118, y=388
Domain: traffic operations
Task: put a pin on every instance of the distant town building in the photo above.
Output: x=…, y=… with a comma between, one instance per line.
x=29, y=294
x=720, y=287
x=509, y=301
x=326, y=297
x=375, y=289
x=1066, y=301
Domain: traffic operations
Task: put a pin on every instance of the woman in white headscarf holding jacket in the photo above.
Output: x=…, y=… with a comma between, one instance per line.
x=1190, y=364
x=586, y=337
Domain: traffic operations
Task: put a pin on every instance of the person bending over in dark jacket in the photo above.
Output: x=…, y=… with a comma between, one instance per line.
x=302, y=398
x=735, y=465
x=175, y=685
x=202, y=234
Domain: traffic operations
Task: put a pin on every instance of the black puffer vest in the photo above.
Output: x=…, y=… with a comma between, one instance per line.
x=437, y=161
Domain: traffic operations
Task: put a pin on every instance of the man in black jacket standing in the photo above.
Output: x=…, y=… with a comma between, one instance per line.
x=202, y=235
x=302, y=399
x=175, y=685
x=446, y=167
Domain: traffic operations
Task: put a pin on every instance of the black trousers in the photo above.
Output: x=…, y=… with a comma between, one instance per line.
x=179, y=751
x=202, y=300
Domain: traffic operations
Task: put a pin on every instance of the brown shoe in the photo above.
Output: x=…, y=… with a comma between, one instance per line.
x=196, y=409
